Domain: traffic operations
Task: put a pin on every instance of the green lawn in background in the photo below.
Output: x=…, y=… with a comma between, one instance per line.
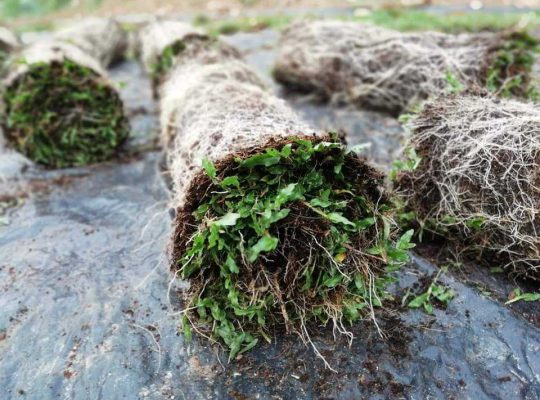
x=34, y=8
x=398, y=19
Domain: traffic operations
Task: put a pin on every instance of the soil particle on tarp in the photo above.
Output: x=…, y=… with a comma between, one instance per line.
x=85, y=311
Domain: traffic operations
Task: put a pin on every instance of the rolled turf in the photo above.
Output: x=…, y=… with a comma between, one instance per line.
x=164, y=43
x=60, y=108
x=385, y=70
x=101, y=38
x=477, y=180
x=277, y=227
x=9, y=41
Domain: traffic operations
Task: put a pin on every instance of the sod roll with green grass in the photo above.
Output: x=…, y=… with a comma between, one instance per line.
x=277, y=227
x=60, y=108
x=385, y=70
x=102, y=38
x=164, y=43
x=473, y=176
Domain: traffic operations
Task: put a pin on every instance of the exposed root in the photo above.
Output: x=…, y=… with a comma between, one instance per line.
x=382, y=69
x=479, y=177
x=156, y=342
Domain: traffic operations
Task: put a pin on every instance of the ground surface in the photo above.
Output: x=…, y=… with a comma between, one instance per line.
x=87, y=311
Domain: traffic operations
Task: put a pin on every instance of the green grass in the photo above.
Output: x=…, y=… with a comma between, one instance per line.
x=287, y=237
x=472, y=21
x=436, y=294
x=64, y=115
x=398, y=19
x=509, y=73
x=166, y=59
x=20, y=8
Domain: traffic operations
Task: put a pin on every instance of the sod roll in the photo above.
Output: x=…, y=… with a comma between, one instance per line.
x=102, y=38
x=277, y=226
x=9, y=41
x=164, y=43
x=385, y=70
x=60, y=108
x=478, y=178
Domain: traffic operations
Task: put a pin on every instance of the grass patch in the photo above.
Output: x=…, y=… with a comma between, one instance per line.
x=190, y=48
x=399, y=19
x=519, y=295
x=435, y=295
x=509, y=73
x=288, y=237
x=417, y=20
x=34, y=8
x=166, y=59
x=64, y=115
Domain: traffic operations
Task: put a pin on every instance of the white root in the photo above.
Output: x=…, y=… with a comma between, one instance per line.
x=102, y=38
x=378, y=68
x=481, y=162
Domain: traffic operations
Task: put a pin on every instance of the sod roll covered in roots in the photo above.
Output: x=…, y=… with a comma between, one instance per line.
x=382, y=69
x=60, y=108
x=475, y=177
x=164, y=43
x=9, y=41
x=277, y=227
x=102, y=38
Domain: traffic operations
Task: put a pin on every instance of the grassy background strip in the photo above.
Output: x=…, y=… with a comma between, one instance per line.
x=475, y=178
x=60, y=108
x=381, y=69
x=278, y=227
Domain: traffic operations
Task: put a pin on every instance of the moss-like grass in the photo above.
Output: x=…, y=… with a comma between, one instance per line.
x=166, y=59
x=64, y=115
x=290, y=236
x=509, y=72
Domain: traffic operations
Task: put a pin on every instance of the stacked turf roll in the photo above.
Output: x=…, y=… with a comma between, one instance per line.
x=164, y=43
x=60, y=109
x=101, y=38
x=478, y=178
x=8, y=43
x=385, y=70
x=277, y=226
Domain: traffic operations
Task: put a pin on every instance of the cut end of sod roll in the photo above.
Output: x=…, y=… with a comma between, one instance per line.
x=63, y=114
x=287, y=235
x=193, y=48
